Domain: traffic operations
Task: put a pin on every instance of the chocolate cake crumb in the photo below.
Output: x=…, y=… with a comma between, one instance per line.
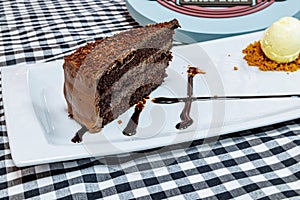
x=256, y=57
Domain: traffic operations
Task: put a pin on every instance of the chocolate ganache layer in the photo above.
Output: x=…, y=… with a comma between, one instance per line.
x=105, y=78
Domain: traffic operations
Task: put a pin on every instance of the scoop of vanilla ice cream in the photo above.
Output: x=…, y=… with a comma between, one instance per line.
x=281, y=41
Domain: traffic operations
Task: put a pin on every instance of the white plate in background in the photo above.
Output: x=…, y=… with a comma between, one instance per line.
x=199, y=29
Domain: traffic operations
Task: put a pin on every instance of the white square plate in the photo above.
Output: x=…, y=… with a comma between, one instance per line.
x=40, y=131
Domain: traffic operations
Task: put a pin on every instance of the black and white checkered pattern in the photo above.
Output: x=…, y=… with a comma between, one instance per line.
x=262, y=163
x=33, y=31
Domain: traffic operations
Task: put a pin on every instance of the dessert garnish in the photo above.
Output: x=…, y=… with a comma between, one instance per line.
x=278, y=49
x=185, y=117
x=281, y=41
x=134, y=120
x=79, y=134
x=186, y=120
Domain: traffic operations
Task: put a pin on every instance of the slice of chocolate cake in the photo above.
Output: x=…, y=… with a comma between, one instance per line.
x=105, y=78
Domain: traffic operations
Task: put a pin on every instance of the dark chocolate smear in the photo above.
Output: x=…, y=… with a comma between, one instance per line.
x=185, y=117
x=79, y=134
x=134, y=120
x=167, y=100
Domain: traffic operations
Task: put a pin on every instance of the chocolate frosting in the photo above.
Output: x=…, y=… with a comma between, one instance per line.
x=84, y=68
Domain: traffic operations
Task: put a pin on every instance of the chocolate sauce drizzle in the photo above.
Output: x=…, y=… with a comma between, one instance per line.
x=185, y=117
x=166, y=100
x=186, y=120
x=134, y=120
x=79, y=134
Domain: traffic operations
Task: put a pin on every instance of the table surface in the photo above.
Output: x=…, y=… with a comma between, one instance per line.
x=261, y=163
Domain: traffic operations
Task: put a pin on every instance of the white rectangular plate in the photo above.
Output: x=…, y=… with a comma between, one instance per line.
x=40, y=131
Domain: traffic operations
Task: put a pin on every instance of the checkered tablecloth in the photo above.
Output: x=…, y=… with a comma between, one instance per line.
x=261, y=163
